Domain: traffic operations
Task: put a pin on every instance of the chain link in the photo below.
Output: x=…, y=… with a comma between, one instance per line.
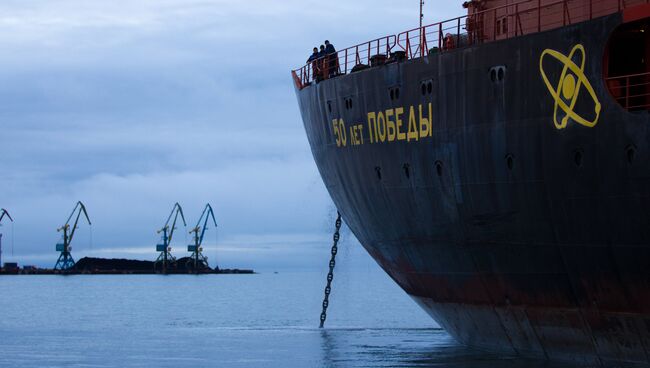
x=330, y=274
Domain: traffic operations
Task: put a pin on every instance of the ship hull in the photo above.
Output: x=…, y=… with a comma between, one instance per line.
x=514, y=233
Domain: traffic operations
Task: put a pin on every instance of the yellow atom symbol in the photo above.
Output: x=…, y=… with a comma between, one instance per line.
x=568, y=88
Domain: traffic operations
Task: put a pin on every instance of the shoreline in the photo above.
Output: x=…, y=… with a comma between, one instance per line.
x=234, y=271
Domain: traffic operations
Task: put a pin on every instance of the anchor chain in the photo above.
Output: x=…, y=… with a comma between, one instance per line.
x=330, y=274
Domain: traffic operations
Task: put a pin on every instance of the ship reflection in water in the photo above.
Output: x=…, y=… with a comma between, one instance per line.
x=411, y=348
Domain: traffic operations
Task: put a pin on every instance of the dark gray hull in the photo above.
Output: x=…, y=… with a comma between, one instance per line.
x=512, y=234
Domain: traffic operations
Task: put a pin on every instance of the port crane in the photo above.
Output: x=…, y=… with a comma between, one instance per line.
x=3, y=213
x=65, y=261
x=167, y=231
x=197, y=260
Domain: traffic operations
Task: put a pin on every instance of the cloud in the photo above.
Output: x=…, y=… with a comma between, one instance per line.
x=131, y=106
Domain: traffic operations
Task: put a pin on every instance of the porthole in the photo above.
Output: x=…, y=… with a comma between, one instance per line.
x=510, y=162
x=348, y=103
x=407, y=170
x=630, y=153
x=394, y=93
x=378, y=172
x=427, y=87
x=438, y=168
x=497, y=73
x=578, y=157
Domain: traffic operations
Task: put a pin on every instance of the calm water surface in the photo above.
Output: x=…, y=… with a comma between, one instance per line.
x=262, y=320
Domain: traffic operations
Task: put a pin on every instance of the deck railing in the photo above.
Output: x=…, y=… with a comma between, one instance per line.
x=631, y=91
x=503, y=22
x=344, y=60
x=512, y=20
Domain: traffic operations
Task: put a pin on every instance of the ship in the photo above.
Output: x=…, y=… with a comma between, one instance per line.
x=497, y=167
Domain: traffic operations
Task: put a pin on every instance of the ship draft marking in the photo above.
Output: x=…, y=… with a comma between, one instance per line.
x=568, y=88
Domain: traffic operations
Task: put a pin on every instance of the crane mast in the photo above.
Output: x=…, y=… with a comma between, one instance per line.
x=165, y=258
x=65, y=261
x=422, y=36
x=197, y=260
x=3, y=213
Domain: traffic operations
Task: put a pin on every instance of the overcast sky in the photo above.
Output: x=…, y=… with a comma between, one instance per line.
x=131, y=106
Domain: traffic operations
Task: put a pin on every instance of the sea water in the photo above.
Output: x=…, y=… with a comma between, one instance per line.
x=263, y=320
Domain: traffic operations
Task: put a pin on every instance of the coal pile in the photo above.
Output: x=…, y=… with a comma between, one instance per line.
x=93, y=265
x=185, y=265
x=115, y=265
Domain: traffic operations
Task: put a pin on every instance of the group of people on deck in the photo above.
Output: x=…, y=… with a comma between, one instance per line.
x=324, y=62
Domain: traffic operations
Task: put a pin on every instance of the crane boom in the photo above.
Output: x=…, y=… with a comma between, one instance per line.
x=207, y=212
x=82, y=208
x=176, y=210
x=4, y=213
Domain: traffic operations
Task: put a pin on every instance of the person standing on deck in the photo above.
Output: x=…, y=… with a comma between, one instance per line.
x=315, y=55
x=314, y=65
x=321, y=62
x=332, y=59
